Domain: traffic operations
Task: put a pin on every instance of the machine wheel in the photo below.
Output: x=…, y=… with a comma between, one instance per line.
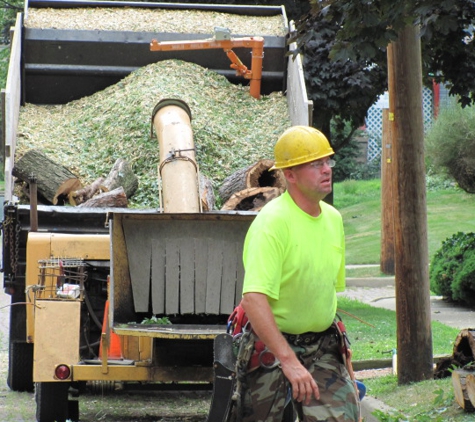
x=51, y=401
x=20, y=366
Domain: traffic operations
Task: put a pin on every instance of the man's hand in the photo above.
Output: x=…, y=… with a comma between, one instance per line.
x=303, y=384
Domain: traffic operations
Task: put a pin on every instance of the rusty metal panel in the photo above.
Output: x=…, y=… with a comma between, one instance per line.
x=56, y=336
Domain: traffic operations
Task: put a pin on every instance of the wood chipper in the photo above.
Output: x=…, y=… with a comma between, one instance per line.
x=90, y=285
x=178, y=263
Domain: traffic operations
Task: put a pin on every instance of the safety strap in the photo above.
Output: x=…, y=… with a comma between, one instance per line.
x=237, y=321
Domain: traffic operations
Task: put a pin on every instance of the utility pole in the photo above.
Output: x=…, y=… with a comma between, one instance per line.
x=387, y=187
x=414, y=335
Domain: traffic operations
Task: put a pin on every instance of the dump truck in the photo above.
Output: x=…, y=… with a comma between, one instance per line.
x=82, y=280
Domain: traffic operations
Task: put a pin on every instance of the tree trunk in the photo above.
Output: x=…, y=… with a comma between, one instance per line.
x=459, y=383
x=122, y=175
x=251, y=199
x=207, y=194
x=53, y=180
x=256, y=175
x=114, y=199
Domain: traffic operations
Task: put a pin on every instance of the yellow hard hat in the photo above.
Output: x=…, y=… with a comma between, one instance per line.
x=299, y=145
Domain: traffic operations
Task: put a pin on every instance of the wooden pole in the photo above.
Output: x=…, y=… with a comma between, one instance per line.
x=387, y=187
x=414, y=346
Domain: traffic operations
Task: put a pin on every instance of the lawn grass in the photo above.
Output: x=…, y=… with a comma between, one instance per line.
x=448, y=211
x=365, y=271
x=378, y=341
x=431, y=400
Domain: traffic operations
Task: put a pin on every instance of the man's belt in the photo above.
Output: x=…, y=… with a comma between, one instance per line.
x=310, y=337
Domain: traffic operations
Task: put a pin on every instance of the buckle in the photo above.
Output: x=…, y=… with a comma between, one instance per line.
x=307, y=338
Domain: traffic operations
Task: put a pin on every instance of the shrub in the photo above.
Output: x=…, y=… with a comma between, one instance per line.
x=450, y=145
x=452, y=271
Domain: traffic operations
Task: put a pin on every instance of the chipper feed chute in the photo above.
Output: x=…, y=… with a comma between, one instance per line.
x=178, y=170
x=181, y=263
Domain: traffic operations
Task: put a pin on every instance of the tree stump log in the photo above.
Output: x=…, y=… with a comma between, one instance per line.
x=256, y=175
x=207, y=194
x=251, y=199
x=53, y=180
x=122, y=175
x=82, y=195
x=459, y=382
x=463, y=354
x=114, y=199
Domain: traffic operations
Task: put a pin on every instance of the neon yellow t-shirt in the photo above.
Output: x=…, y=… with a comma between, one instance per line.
x=298, y=261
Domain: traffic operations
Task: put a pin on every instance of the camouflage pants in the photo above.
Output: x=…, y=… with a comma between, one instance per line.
x=268, y=389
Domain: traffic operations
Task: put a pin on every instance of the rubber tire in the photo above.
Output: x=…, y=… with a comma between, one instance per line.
x=51, y=401
x=73, y=410
x=20, y=366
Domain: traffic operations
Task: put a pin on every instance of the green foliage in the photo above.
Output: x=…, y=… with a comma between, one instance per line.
x=346, y=154
x=341, y=91
x=156, y=320
x=7, y=17
x=450, y=145
x=452, y=271
x=367, y=27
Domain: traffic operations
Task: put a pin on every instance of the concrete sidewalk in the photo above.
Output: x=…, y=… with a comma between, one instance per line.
x=380, y=292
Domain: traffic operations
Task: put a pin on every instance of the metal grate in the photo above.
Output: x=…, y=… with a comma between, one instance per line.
x=62, y=278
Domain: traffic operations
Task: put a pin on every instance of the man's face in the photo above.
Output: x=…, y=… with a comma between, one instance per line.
x=314, y=179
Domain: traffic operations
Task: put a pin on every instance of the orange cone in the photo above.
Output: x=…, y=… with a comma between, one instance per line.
x=115, y=348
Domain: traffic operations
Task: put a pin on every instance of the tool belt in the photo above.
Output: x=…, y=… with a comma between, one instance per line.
x=309, y=338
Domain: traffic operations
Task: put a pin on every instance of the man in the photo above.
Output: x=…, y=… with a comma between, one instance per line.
x=294, y=259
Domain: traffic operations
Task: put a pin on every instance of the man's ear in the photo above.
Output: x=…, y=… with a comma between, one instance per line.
x=289, y=175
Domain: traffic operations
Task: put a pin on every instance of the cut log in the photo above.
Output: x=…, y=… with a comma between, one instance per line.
x=251, y=199
x=53, y=179
x=207, y=194
x=470, y=386
x=122, y=175
x=82, y=195
x=114, y=199
x=460, y=389
x=256, y=175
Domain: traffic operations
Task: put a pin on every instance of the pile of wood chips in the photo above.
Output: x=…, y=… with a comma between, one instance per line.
x=154, y=20
x=232, y=130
